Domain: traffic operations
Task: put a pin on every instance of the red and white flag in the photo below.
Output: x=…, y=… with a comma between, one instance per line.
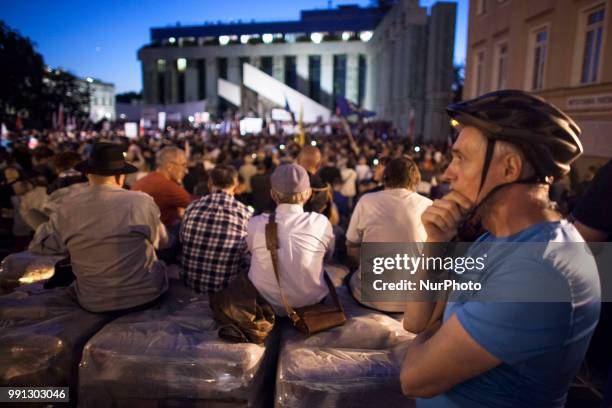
x=60, y=117
x=411, y=123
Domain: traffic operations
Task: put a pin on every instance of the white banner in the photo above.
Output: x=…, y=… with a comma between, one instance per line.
x=251, y=125
x=131, y=130
x=161, y=120
x=281, y=115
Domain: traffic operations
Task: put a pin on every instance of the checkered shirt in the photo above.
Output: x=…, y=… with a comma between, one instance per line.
x=213, y=236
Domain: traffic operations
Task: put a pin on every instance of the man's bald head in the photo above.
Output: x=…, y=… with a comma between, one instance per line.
x=172, y=163
x=310, y=158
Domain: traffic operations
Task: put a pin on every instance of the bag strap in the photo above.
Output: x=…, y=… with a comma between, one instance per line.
x=272, y=246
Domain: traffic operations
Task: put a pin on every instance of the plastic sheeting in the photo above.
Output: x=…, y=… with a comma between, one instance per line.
x=171, y=355
x=355, y=365
x=42, y=334
x=25, y=267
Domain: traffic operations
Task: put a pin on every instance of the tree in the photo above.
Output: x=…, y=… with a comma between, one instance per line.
x=128, y=97
x=64, y=88
x=458, y=78
x=31, y=90
x=21, y=75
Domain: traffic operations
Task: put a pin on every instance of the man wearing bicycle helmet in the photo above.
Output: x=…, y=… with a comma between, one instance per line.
x=511, y=353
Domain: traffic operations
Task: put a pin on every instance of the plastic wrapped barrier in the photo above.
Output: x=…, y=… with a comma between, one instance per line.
x=355, y=365
x=42, y=334
x=170, y=355
x=25, y=267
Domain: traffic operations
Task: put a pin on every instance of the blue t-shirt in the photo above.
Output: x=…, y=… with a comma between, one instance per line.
x=541, y=344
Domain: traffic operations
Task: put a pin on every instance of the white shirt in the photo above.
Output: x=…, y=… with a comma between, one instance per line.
x=349, y=178
x=304, y=239
x=386, y=216
x=364, y=172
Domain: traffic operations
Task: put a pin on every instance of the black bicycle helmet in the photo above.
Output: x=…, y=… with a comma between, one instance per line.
x=548, y=138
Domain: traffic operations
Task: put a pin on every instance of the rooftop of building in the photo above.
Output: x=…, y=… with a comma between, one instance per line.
x=347, y=17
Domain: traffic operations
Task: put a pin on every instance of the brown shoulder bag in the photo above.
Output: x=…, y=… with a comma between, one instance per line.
x=308, y=319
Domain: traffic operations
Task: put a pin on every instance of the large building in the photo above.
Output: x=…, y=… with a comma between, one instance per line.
x=101, y=100
x=558, y=49
x=395, y=59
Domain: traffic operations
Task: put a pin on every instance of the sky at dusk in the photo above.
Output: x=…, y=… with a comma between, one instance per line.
x=101, y=39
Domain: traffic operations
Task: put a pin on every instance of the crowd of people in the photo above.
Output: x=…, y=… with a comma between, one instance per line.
x=124, y=209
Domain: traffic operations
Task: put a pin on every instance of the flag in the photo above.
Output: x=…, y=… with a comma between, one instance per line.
x=410, y=128
x=141, y=128
x=60, y=117
x=301, y=137
x=288, y=109
x=345, y=108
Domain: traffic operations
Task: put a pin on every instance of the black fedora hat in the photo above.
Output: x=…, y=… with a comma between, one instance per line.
x=106, y=159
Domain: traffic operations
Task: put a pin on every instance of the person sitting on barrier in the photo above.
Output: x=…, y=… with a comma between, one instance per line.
x=520, y=340
x=305, y=240
x=110, y=235
x=391, y=215
x=213, y=234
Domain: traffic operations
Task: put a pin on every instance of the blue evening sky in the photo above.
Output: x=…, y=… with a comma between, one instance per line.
x=101, y=39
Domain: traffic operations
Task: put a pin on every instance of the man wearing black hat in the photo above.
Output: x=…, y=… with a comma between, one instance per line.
x=110, y=234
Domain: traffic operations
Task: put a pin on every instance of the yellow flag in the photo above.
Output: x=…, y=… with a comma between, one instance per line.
x=301, y=138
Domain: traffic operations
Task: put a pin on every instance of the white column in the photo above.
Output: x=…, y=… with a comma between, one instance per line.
x=169, y=82
x=278, y=67
x=301, y=67
x=191, y=81
x=370, y=81
x=352, y=77
x=233, y=70
x=211, y=82
x=327, y=79
x=149, y=79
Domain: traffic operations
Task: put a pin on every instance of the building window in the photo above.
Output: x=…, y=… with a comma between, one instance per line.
x=161, y=65
x=161, y=81
x=502, y=65
x=592, y=46
x=222, y=68
x=267, y=65
x=201, y=79
x=181, y=64
x=161, y=88
x=362, y=79
x=314, y=77
x=340, y=75
x=481, y=7
x=479, y=73
x=290, y=72
x=539, y=59
x=181, y=80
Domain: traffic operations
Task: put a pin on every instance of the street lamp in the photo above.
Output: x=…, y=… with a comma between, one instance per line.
x=316, y=38
x=365, y=36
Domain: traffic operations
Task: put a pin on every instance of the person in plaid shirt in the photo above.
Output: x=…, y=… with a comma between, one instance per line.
x=213, y=235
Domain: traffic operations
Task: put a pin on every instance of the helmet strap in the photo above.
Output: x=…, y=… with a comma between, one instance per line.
x=485, y=170
x=487, y=164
